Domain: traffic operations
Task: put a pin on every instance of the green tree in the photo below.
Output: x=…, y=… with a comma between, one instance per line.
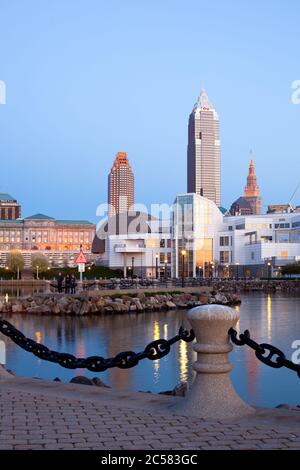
x=291, y=269
x=39, y=263
x=15, y=262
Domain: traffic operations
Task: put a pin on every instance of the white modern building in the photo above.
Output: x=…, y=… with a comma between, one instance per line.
x=135, y=243
x=200, y=241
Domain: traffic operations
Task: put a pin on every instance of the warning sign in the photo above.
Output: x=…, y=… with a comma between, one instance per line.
x=81, y=259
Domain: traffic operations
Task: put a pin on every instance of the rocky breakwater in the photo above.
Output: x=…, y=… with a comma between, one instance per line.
x=83, y=304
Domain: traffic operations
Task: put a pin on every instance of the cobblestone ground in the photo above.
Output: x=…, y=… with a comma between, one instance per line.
x=41, y=421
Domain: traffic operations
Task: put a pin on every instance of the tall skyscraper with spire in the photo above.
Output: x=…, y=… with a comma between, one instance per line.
x=120, y=185
x=203, y=152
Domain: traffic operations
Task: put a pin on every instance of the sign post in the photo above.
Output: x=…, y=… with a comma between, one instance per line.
x=81, y=262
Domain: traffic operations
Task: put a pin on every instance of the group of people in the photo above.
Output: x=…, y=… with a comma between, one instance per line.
x=68, y=283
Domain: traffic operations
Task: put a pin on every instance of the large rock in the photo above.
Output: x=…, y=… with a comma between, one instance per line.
x=179, y=391
x=17, y=308
x=221, y=299
x=45, y=309
x=132, y=308
x=80, y=379
x=98, y=382
x=170, y=304
x=204, y=299
x=55, y=309
x=138, y=304
x=85, y=308
x=36, y=309
x=100, y=303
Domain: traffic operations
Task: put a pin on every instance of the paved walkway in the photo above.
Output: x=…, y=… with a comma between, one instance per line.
x=37, y=414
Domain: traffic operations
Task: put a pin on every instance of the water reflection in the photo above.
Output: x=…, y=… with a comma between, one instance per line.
x=183, y=360
x=6, y=292
x=269, y=312
x=156, y=336
x=270, y=318
x=37, y=335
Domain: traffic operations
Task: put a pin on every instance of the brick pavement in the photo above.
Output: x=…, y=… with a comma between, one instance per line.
x=42, y=415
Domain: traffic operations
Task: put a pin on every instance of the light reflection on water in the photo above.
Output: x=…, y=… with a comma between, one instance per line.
x=270, y=318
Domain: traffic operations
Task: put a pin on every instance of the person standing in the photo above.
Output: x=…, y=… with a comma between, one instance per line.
x=67, y=284
x=73, y=284
x=60, y=281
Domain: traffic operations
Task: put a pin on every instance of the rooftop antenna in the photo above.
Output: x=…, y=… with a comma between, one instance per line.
x=293, y=195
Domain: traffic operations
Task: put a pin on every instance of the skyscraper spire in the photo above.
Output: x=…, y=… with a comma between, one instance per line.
x=252, y=191
x=250, y=202
x=251, y=188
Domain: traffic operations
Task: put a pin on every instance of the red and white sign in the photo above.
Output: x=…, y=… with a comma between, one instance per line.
x=81, y=259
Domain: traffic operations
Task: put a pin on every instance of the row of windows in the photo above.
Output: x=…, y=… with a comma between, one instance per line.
x=225, y=241
x=282, y=225
x=163, y=257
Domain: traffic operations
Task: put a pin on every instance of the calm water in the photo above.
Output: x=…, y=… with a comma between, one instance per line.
x=270, y=318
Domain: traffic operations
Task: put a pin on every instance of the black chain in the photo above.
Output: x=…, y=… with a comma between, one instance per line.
x=124, y=360
x=266, y=353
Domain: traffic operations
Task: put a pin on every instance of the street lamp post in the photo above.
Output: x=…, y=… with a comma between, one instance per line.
x=237, y=271
x=269, y=270
x=156, y=266
x=279, y=271
x=227, y=270
x=37, y=272
x=183, y=253
x=166, y=270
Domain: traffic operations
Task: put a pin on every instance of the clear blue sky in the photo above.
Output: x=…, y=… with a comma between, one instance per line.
x=88, y=78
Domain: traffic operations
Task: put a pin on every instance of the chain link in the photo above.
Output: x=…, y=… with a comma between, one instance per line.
x=124, y=360
x=266, y=353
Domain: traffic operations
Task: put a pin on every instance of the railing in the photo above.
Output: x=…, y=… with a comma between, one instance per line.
x=212, y=394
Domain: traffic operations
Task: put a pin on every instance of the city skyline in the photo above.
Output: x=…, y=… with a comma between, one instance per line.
x=69, y=109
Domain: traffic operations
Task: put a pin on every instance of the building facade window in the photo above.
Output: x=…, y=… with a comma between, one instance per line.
x=224, y=257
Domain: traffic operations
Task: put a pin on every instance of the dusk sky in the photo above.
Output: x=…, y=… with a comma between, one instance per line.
x=88, y=78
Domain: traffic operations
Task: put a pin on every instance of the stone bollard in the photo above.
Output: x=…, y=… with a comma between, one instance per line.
x=47, y=287
x=212, y=395
x=96, y=285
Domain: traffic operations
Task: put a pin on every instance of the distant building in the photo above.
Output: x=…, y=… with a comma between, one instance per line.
x=10, y=209
x=120, y=185
x=279, y=209
x=250, y=202
x=200, y=241
x=196, y=223
x=203, y=152
x=59, y=240
x=140, y=247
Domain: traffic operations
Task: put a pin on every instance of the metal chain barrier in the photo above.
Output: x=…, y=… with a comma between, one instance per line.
x=124, y=360
x=266, y=353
